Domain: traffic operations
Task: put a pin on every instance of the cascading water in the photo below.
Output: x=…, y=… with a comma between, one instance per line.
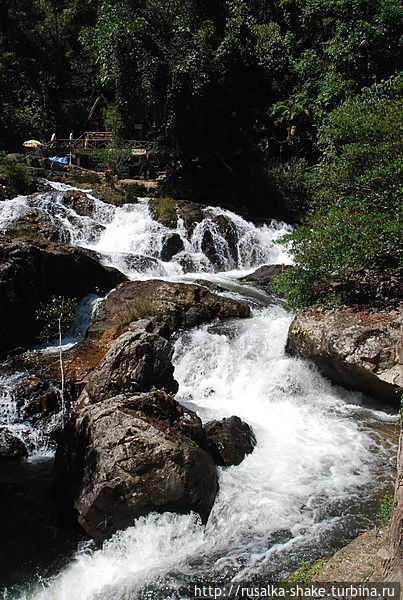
x=129, y=239
x=34, y=440
x=298, y=495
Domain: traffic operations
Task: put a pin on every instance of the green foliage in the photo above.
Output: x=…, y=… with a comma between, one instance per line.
x=164, y=208
x=226, y=89
x=46, y=79
x=290, y=180
x=306, y=570
x=133, y=191
x=15, y=174
x=111, y=158
x=352, y=232
x=54, y=317
x=385, y=508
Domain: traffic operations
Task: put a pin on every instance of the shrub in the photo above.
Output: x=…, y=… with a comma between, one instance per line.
x=16, y=174
x=132, y=191
x=349, y=248
x=164, y=208
x=290, y=180
x=56, y=315
x=385, y=508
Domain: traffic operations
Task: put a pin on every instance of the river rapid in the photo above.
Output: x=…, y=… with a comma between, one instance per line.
x=320, y=457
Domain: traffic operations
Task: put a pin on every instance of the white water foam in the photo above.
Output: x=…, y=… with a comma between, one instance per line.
x=36, y=443
x=296, y=490
x=129, y=239
x=296, y=495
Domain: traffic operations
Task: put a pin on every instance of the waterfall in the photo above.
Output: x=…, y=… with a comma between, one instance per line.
x=298, y=495
x=128, y=238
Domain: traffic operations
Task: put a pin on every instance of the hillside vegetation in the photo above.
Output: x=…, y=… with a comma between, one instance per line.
x=287, y=108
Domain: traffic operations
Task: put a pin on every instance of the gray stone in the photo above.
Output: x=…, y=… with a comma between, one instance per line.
x=229, y=440
x=125, y=457
x=359, y=350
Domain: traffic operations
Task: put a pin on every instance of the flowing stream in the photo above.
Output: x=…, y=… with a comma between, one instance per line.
x=320, y=450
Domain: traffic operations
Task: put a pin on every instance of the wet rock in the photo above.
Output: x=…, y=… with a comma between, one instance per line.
x=210, y=249
x=36, y=226
x=168, y=210
x=137, y=262
x=11, y=447
x=227, y=230
x=264, y=275
x=136, y=362
x=41, y=404
x=125, y=457
x=171, y=246
x=30, y=274
x=210, y=285
x=79, y=202
x=171, y=306
x=229, y=440
x=360, y=350
x=158, y=307
x=36, y=397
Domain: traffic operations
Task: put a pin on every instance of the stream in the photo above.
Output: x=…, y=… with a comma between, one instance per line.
x=321, y=457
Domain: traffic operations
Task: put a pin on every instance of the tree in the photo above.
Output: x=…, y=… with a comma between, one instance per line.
x=350, y=247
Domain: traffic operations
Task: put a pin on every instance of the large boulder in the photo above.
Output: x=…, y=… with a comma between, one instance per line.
x=217, y=250
x=170, y=306
x=136, y=362
x=30, y=274
x=79, y=202
x=263, y=276
x=158, y=307
x=11, y=446
x=128, y=456
x=35, y=225
x=168, y=210
x=229, y=440
x=172, y=244
x=359, y=350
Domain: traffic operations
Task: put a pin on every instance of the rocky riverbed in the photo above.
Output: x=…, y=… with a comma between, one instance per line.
x=184, y=408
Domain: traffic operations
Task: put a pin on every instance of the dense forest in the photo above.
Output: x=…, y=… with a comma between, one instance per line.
x=286, y=108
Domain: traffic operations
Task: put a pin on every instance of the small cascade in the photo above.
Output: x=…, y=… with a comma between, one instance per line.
x=36, y=443
x=302, y=492
x=128, y=238
x=85, y=311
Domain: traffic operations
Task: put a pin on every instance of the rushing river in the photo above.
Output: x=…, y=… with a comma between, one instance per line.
x=319, y=460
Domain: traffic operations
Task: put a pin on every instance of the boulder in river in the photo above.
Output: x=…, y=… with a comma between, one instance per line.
x=172, y=244
x=34, y=225
x=11, y=446
x=263, y=276
x=136, y=362
x=229, y=440
x=127, y=456
x=40, y=403
x=168, y=210
x=171, y=306
x=79, y=202
x=360, y=350
x=159, y=307
x=30, y=274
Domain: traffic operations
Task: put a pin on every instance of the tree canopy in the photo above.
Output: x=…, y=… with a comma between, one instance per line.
x=287, y=108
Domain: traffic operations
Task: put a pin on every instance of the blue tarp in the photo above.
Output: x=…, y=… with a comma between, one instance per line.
x=60, y=159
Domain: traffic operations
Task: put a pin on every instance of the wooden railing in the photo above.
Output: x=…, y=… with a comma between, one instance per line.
x=91, y=141
x=98, y=140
